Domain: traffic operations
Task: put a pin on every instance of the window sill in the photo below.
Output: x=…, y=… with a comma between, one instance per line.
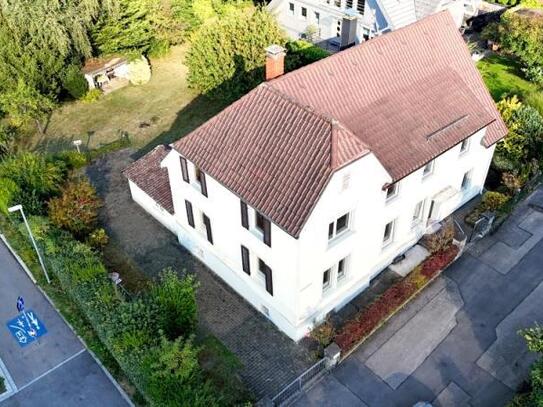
x=387, y=244
x=340, y=238
x=391, y=199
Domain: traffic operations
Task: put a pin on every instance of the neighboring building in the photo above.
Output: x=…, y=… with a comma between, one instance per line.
x=106, y=74
x=341, y=23
x=306, y=188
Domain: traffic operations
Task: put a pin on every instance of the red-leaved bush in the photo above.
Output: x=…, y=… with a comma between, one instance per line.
x=394, y=297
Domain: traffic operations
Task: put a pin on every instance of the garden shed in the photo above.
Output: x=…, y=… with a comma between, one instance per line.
x=106, y=74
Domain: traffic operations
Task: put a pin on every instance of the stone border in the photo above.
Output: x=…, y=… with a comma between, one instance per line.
x=346, y=354
x=98, y=362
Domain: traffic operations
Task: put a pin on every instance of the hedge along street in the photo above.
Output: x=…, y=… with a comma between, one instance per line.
x=58, y=360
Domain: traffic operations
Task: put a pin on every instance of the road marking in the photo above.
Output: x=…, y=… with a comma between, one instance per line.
x=51, y=370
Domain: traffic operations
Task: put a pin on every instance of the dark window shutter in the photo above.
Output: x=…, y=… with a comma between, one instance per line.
x=203, y=184
x=244, y=215
x=190, y=215
x=268, y=274
x=267, y=232
x=207, y=224
x=184, y=170
x=245, y=260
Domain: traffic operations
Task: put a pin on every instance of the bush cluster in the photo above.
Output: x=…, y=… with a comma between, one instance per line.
x=157, y=353
x=441, y=239
x=371, y=317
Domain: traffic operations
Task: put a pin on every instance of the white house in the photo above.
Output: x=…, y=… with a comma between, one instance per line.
x=303, y=190
x=342, y=23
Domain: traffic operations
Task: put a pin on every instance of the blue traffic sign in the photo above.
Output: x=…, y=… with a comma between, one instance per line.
x=26, y=328
x=20, y=304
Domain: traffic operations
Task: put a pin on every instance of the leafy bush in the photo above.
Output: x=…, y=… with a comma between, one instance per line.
x=301, y=53
x=139, y=71
x=167, y=373
x=177, y=300
x=8, y=137
x=441, y=239
x=98, y=239
x=323, y=333
x=534, y=396
x=76, y=210
x=37, y=180
x=72, y=159
x=92, y=96
x=226, y=58
x=493, y=201
x=74, y=81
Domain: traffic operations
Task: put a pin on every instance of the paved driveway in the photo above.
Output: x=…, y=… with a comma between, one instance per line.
x=55, y=370
x=456, y=344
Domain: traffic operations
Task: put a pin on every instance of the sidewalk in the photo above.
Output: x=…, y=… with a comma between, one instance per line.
x=56, y=369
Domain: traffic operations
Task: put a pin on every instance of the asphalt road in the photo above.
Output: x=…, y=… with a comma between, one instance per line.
x=56, y=369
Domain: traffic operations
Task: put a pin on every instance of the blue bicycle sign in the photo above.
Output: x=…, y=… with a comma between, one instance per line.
x=26, y=328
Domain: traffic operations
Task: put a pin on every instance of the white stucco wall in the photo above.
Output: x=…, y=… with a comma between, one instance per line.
x=298, y=300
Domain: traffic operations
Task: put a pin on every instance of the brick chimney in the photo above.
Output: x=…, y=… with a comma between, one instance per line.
x=275, y=61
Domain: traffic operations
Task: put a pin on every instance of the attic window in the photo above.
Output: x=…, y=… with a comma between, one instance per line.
x=360, y=6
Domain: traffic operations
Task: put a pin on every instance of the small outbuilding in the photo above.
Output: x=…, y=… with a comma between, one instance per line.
x=107, y=74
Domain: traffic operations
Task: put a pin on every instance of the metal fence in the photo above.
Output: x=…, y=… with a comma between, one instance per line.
x=294, y=388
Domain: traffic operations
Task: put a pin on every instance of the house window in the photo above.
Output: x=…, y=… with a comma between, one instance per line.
x=245, y=260
x=304, y=12
x=349, y=4
x=291, y=8
x=417, y=213
x=207, y=225
x=337, y=3
x=184, y=170
x=464, y=146
x=360, y=6
x=466, y=180
x=317, y=18
x=428, y=169
x=190, y=214
x=392, y=191
x=341, y=270
x=388, y=234
x=339, y=226
x=267, y=274
x=326, y=279
x=263, y=225
x=201, y=178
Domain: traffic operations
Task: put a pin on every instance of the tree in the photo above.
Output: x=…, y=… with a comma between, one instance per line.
x=76, y=210
x=74, y=81
x=25, y=103
x=227, y=56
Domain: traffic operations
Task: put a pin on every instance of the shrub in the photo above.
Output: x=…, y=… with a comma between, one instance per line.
x=76, y=210
x=8, y=137
x=8, y=191
x=441, y=239
x=512, y=182
x=72, y=160
x=301, y=53
x=37, y=180
x=139, y=71
x=92, y=96
x=98, y=239
x=74, y=81
x=323, y=333
x=534, y=338
x=177, y=301
x=493, y=201
x=226, y=58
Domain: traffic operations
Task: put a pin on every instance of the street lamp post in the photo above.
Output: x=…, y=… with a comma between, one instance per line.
x=20, y=209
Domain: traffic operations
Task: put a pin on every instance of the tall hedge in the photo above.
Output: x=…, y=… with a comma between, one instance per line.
x=227, y=57
x=166, y=371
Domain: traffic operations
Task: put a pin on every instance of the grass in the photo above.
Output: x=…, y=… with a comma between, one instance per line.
x=160, y=111
x=503, y=77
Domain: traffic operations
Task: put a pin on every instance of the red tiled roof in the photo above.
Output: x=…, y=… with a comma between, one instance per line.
x=147, y=174
x=272, y=152
x=407, y=96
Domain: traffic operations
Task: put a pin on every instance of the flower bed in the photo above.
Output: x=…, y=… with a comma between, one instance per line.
x=372, y=317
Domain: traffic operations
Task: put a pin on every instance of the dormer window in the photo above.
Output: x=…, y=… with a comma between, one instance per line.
x=428, y=169
x=392, y=191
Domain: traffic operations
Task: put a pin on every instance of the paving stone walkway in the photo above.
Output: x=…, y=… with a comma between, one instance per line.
x=472, y=354
x=270, y=359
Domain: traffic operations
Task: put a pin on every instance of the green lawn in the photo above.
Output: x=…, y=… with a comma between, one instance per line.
x=166, y=104
x=503, y=77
